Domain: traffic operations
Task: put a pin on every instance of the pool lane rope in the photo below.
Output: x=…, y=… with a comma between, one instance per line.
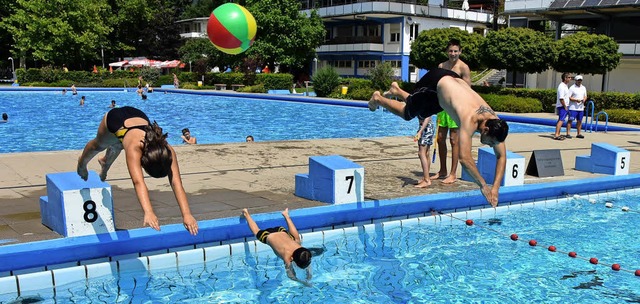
x=550, y=248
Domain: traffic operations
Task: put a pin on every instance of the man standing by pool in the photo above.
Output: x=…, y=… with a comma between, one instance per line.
x=445, y=123
x=439, y=90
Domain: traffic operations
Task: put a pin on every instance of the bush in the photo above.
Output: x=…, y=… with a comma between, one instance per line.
x=258, y=88
x=325, y=81
x=623, y=116
x=120, y=82
x=164, y=79
x=512, y=104
x=150, y=75
x=360, y=93
x=280, y=81
x=381, y=76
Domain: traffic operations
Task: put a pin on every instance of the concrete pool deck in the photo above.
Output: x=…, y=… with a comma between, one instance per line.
x=222, y=179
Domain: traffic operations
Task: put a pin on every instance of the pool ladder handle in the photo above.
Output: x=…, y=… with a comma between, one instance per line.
x=591, y=105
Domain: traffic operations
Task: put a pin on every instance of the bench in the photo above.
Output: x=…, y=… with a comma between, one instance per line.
x=220, y=86
x=235, y=87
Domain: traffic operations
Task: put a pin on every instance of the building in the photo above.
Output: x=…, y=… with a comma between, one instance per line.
x=615, y=18
x=363, y=34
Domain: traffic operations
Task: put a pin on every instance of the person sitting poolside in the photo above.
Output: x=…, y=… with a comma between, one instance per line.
x=145, y=147
x=287, y=245
x=249, y=138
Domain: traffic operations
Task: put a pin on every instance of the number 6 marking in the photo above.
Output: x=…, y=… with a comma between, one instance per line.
x=514, y=173
x=350, y=179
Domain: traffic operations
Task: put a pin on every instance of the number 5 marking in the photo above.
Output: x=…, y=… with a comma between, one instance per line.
x=622, y=163
x=350, y=179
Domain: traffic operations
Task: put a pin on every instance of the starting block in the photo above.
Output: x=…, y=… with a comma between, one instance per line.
x=74, y=207
x=332, y=179
x=514, y=170
x=605, y=159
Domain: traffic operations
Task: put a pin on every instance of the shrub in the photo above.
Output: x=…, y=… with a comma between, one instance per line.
x=623, y=116
x=150, y=75
x=381, y=76
x=360, y=93
x=119, y=83
x=186, y=77
x=258, y=88
x=325, y=81
x=164, y=79
x=512, y=104
x=280, y=81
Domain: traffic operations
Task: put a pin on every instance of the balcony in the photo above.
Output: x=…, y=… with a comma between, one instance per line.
x=526, y=5
x=353, y=39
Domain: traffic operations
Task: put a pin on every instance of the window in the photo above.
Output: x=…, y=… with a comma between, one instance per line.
x=367, y=64
x=341, y=63
x=394, y=29
x=414, y=30
x=395, y=63
x=372, y=30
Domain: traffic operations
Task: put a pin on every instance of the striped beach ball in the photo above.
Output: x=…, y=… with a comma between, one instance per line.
x=231, y=28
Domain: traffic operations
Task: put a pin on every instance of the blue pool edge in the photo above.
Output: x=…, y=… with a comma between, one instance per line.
x=73, y=249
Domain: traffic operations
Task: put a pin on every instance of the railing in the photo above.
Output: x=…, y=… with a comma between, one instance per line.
x=353, y=39
x=590, y=125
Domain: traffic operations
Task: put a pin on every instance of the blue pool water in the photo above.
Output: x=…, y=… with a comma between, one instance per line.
x=50, y=121
x=416, y=263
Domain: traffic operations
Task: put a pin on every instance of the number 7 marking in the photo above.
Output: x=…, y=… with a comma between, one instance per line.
x=350, y=179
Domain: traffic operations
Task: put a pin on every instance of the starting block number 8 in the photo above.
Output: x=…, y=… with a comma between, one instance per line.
x=74, y=207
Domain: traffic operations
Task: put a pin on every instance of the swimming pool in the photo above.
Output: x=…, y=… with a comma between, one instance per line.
x=429, y=259
x=50, y=121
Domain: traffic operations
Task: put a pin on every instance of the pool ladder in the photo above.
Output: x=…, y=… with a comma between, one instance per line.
x=590, y=125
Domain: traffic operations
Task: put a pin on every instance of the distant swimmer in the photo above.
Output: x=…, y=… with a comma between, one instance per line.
x=5, y=118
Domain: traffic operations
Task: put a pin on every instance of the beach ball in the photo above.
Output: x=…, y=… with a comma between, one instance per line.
x=231, y=28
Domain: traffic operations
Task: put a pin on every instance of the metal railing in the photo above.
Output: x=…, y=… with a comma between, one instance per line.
x=591, y=125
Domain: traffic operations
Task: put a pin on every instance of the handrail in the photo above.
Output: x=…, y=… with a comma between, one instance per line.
x=591, y=105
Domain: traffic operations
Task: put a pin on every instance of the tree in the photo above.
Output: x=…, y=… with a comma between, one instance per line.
x=285, y=35
x=518, y=49
x=429, y=48
x=57, y=31
x=198, y=48
x=586, y=54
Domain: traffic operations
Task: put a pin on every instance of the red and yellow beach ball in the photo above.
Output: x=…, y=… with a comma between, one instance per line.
x=231, y=28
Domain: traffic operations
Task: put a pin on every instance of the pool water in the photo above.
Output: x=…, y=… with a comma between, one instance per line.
x=418, y=263
x=50, y=121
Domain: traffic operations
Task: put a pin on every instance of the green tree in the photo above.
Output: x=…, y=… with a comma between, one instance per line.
x=201, y=8
x=518, y=50
x=197, y=49
x=285, y=35
x=57, y=31
x=381, y=76
x=586, y=54
x=429, y=48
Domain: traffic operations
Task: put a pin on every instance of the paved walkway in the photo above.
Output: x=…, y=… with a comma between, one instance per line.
x=221, y=179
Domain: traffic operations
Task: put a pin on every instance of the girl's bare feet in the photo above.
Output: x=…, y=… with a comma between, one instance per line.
x=438, y=175
x=103, y=170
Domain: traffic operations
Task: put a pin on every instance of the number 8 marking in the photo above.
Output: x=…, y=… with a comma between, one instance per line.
x=90, y=214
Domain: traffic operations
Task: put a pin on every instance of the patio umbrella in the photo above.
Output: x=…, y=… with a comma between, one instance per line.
x=119, y=63
x=170, y=64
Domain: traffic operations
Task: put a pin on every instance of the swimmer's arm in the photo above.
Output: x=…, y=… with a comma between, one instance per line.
x=133, y=155
x=500, y=151
x=292, y=275
x=466, y=159
x=175, y=180
x=292, y=228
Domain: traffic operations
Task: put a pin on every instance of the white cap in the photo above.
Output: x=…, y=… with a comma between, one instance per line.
x=579, y=77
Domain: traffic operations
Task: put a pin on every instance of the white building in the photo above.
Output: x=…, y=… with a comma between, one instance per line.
x=362, y=34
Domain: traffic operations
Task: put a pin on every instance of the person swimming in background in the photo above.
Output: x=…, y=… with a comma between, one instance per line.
x=82, y=101
x=144, y=96
x=64, y=91
x=145, y=147
x=74, y=91
x=187, y=138
x=113, y=104
x=5, y=118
